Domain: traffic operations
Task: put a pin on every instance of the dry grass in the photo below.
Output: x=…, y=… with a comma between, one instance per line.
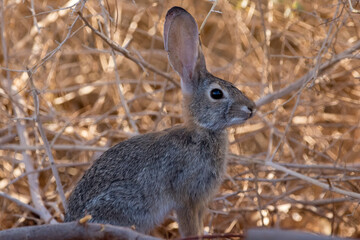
x=296, y=165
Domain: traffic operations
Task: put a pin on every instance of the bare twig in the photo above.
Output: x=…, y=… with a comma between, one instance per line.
x=122, y=97
x=266, y=57
x=117, y=77
x=50, y=54
x=301, y=81
x=321, y=201
x=16, y=147
x=46, y=142
x=208, y=15
x=33, y=180
x=352, y=8
x=20, y=203
x=52, y=17
x=128, y=54
x=33, y=13
x=275, y=234
x=308, y=179
x=44, y=169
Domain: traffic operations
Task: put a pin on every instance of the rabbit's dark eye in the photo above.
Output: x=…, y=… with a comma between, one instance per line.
x=216, y=93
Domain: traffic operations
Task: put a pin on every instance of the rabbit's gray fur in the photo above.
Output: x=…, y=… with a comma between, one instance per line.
x=139, y=181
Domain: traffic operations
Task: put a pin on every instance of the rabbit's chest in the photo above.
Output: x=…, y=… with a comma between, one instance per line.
x=198, y=171
x=209, y=177
x=206, y=174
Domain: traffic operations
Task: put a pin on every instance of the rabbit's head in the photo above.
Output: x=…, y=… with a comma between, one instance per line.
x=209, y=102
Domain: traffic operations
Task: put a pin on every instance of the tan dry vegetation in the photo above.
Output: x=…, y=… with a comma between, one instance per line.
x=295, y=165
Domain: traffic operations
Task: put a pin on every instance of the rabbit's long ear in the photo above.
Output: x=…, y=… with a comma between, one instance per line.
x=181, y=40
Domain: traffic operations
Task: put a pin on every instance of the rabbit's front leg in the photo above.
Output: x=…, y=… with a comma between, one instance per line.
x=190, y=219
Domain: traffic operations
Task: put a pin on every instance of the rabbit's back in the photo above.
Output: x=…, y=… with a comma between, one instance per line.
x=138, y=181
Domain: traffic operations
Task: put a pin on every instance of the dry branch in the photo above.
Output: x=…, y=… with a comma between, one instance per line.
x=126, y=53
x=68, y=147
x=276, y=234
x=21, y=204
x=298, y=175
x=55, y=172
x=301, y=82
x=313, y=166
x=17, y=102
x=73, y=230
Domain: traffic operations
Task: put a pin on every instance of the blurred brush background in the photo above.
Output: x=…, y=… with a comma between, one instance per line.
x=66, y=96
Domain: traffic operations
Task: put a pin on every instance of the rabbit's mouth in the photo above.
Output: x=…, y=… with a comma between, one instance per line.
x=243, y=114
x=237, y=121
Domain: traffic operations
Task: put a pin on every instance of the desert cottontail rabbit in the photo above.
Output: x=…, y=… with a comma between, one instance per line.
x=139, y=181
